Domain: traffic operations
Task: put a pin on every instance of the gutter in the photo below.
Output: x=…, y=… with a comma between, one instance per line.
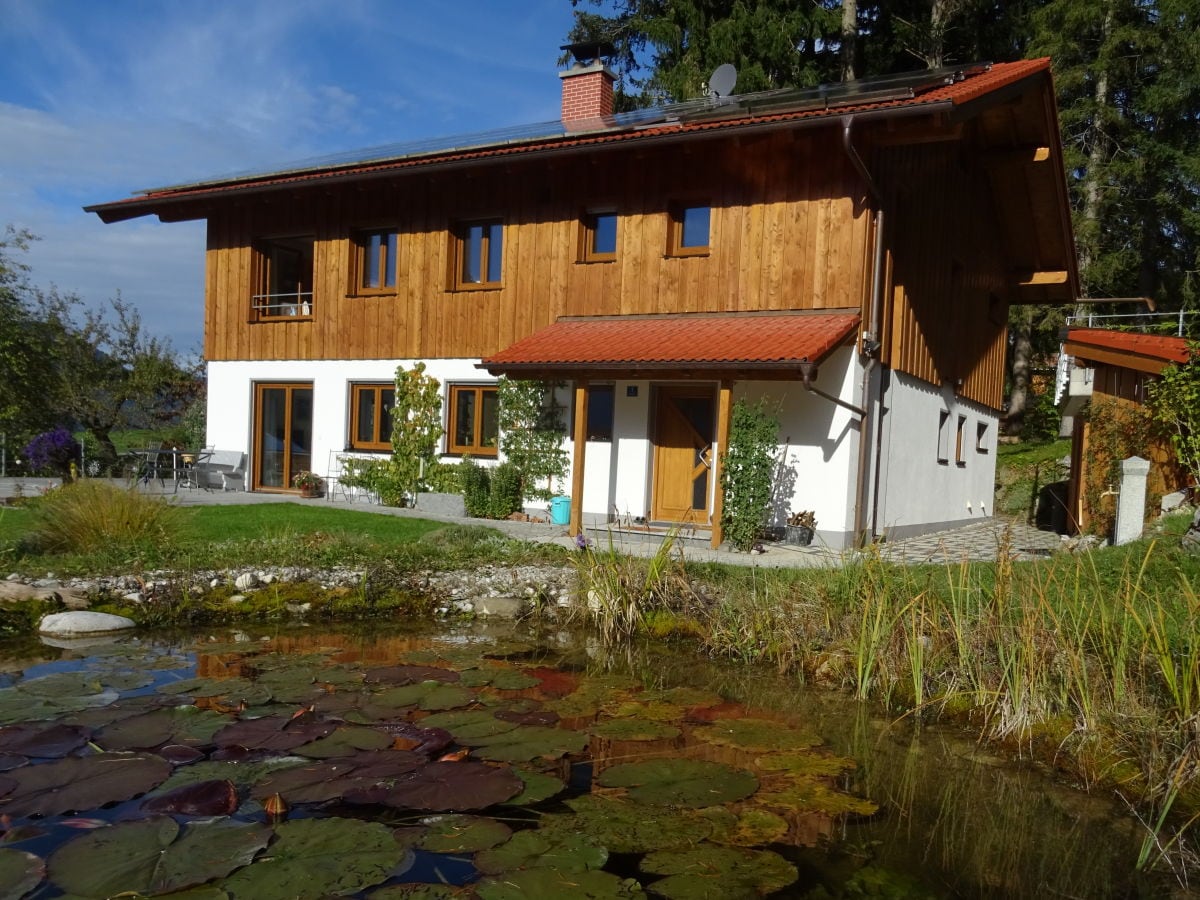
x=870, y=345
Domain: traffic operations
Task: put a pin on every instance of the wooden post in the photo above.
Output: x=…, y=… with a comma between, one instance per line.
x=724, y=408
x=580, y=438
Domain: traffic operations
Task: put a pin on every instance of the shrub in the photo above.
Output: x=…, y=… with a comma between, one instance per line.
x=442, y=478
x=504, y=495
x=531, y=435
x=476, y=488
x=1042, y=418
x=92, y=515
x=51, y=453
x=746, y=475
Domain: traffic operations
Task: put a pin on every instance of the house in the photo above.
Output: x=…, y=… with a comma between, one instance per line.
x=848, y=253
x=1110, y=374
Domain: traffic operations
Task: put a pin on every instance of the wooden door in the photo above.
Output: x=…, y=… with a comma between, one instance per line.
x=683, y=438
x=282, y=434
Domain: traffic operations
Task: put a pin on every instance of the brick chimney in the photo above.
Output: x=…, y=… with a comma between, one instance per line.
x=587, y=91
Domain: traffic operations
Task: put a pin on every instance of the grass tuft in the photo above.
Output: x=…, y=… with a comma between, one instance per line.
x=89, y=516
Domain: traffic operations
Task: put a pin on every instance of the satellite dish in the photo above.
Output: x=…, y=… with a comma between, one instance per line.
x=722, y=81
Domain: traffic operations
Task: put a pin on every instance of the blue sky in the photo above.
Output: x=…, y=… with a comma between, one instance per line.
x=102, y=98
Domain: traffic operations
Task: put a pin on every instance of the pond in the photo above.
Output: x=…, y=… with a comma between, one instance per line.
x=497, y=762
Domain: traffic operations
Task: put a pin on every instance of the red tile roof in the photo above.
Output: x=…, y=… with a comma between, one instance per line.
x=970, y=88
x=1154, y=346
x=761, y=341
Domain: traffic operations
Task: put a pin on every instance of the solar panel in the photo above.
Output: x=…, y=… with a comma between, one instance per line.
x=903, y=86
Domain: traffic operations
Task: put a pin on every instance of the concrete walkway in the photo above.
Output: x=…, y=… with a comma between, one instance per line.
x=980, y=541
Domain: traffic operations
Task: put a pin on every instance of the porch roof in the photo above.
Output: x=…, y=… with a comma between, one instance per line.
x=1126, y=349
x=758, y=345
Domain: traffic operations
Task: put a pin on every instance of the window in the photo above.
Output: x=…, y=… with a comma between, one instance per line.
x=960, y=448
x=283, y=278
x=598, y=237
x=981, y=437
x=943, y=445
x=687, y=232
x=599, y=412
x=478, y=254
x=371, y=416
x=474, y=420
x=374, y=261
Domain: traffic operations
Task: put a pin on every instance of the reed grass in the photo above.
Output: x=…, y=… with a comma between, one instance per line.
x=88, y=516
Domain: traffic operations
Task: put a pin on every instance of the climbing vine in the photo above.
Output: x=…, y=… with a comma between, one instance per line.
x=1116, y=431
x=747, y=472
x=531, y=435
x=416, y=426
x=1175, y=406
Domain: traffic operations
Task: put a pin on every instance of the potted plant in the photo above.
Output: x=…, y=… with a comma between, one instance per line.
x=309, y=483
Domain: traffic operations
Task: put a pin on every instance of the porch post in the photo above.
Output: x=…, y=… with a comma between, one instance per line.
x=724, y=407
x=580, y=438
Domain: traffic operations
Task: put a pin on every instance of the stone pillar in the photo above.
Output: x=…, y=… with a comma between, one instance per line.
x=1131, y=502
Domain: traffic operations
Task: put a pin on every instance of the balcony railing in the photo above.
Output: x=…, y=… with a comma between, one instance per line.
x=1175, y=323
x=298, y=304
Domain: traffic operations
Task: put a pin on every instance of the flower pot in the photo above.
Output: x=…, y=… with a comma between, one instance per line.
x=800, y=535
x=310, y=492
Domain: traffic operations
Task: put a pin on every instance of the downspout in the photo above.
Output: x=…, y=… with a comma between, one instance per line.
x=808, y=372
x=870, y=339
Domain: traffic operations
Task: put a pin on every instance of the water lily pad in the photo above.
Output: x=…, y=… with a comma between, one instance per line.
x=658, y=710
x=12, y=761
x=185, y=725
x=538, y=787
x=314, y=858
x=758, y=735
x=680, y=782
x=462, y=834
x=752, y=827
x=551, y=884
x=242, y=773
x=813, y=795
x=470, y=725
x=329, y=779
x=445, y=786
x=625, y=827
x=433, y=696
x=62, y=685
x=79, y=783
x=414, y=891
x=514, y=680
x=718, y=872
x=345, y=741
x=535, y=849
x=399, y=675
x=234, y=688
x=523, y=744
x=274, y=732
x=531, y=716
x=18, y=707
x=20, y=872
x=52, y=741
x=154, y=856
x=634, y=730
x=804, y=762
x=591, y=695
x=205, y=798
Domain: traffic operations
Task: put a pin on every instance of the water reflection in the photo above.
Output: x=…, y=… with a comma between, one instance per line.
x=953, y=821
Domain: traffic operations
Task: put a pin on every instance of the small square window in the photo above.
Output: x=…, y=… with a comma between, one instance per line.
x=598, y=237
x=981, y=437
x=600, y=409
x=283, y=279
x=688, y=231
x=474, y=420
x=943, y=437
x=375, y=261
x=371, y=408
x=478, y=255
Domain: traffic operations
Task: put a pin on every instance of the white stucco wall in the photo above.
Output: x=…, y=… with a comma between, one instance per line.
x=919, y=493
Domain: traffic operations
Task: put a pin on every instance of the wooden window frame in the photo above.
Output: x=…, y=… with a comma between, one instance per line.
x=380, y=441
x=982, y=429
x=359, y=251
x=587, y=236
x=264, y=305
x=943, y=437
x=960, y=442
x=460, y=243
x=477, y=390
x=676, y=214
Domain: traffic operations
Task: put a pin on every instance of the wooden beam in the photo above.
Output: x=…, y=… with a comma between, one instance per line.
x=580, y=438
x=1031, y=277
x=1015, y=157
x=724, y=408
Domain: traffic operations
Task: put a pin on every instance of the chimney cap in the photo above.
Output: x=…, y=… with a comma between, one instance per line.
x=587, y=52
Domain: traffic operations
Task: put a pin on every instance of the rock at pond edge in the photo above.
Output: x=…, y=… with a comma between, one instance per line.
x=82, y=622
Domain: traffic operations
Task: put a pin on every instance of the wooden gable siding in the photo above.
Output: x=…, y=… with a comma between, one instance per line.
x=949, y=293
x=786, y=233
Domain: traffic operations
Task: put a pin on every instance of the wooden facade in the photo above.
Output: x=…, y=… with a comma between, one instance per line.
x=786, y=233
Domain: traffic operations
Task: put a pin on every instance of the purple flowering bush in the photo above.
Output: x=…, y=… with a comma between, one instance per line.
x=51, y=453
